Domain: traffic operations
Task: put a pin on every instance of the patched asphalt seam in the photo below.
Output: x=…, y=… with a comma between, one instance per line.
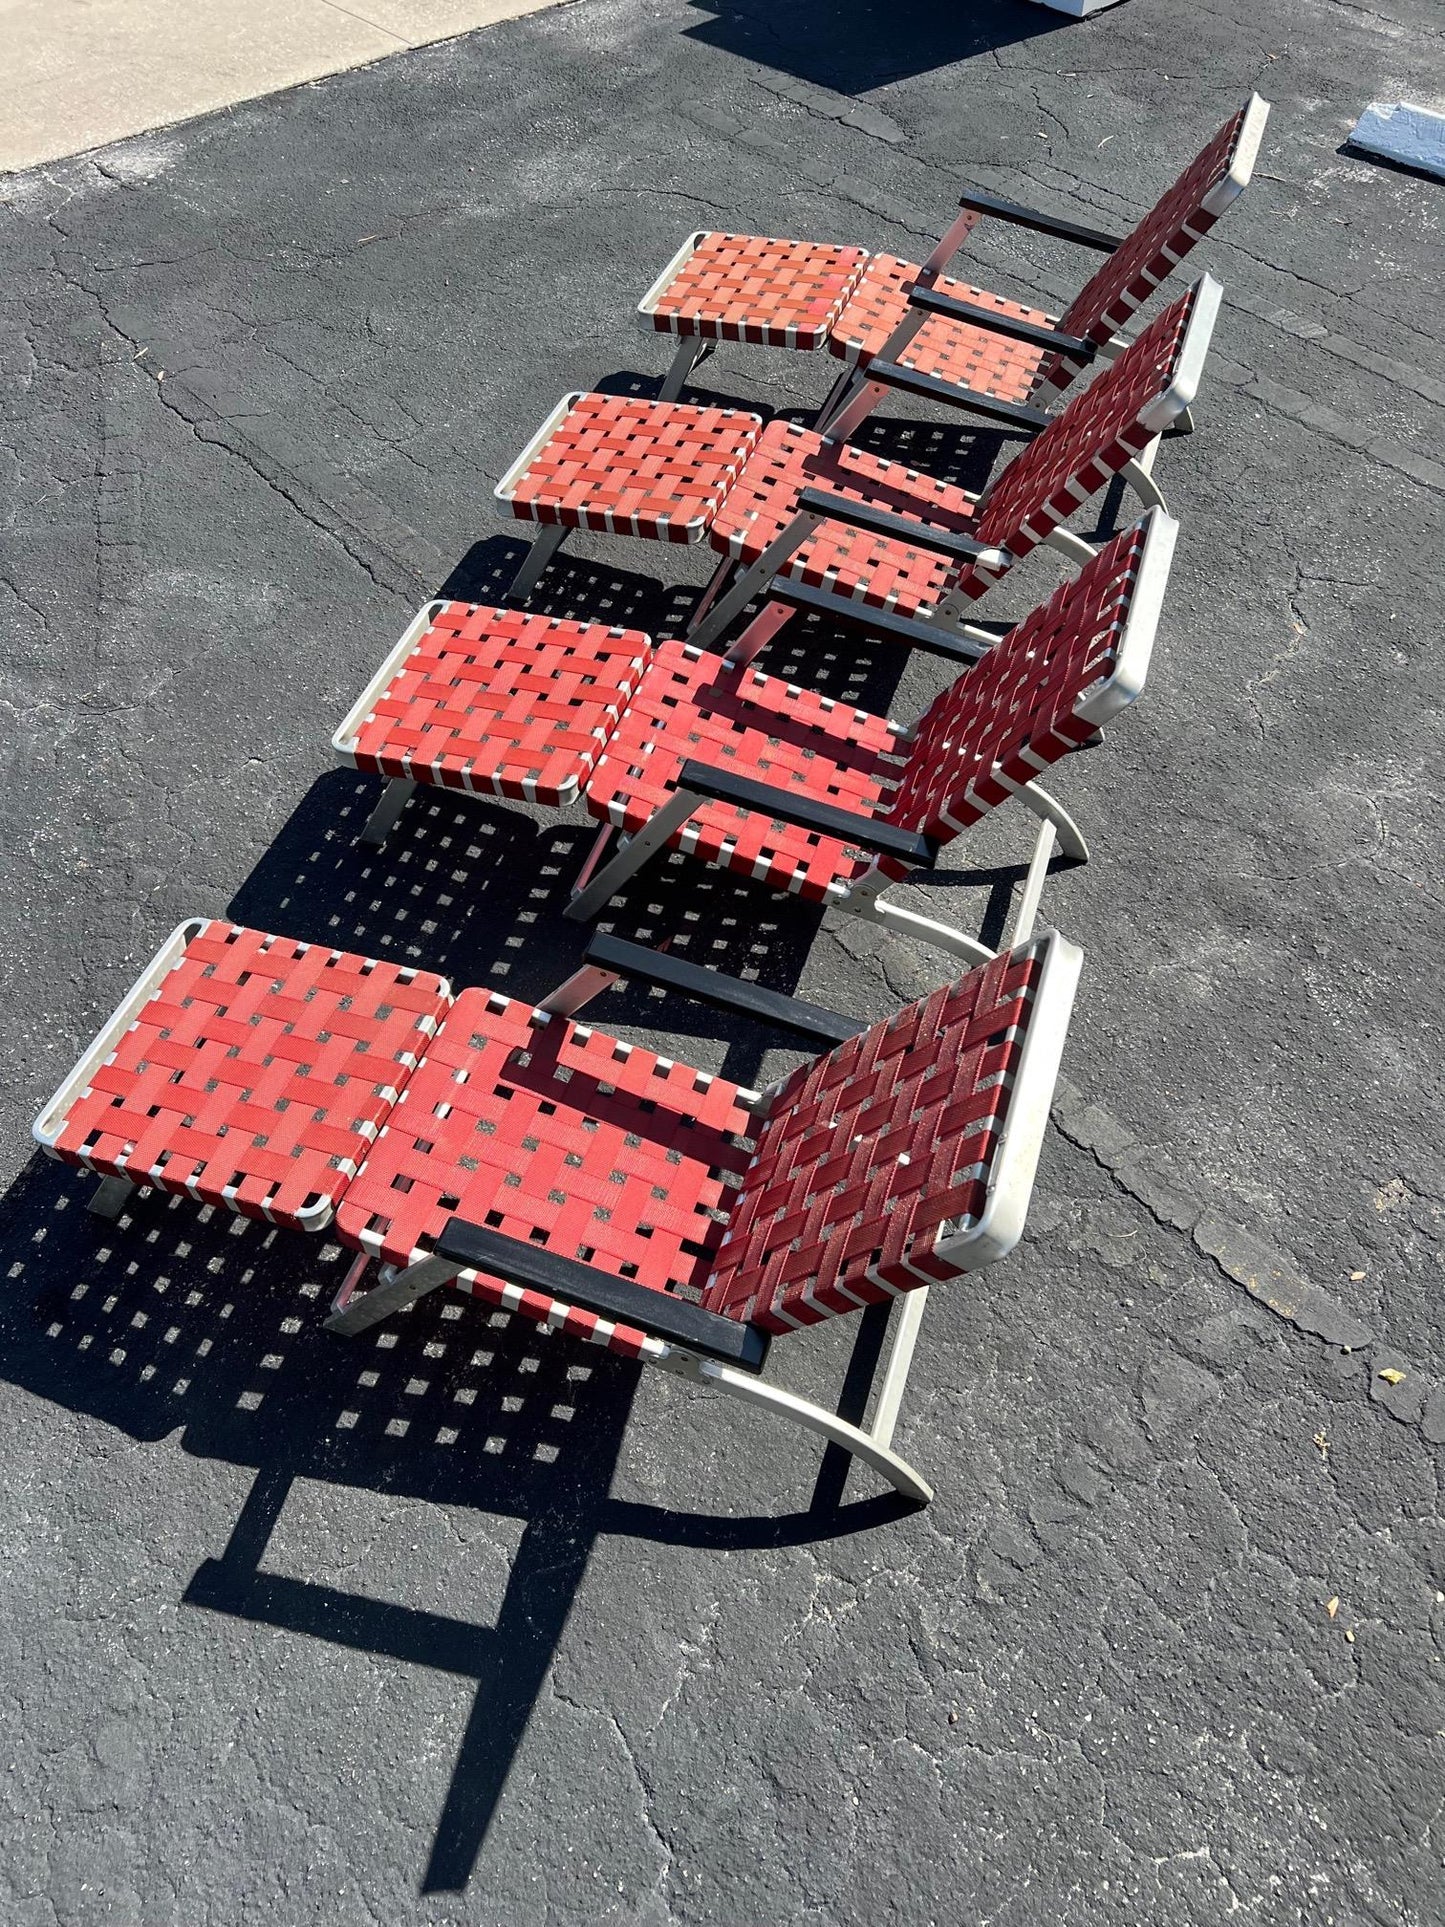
x=1269, y=1275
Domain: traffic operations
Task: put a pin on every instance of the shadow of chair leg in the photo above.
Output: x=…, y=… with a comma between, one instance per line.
x=508, y=1661
x=545, y=1579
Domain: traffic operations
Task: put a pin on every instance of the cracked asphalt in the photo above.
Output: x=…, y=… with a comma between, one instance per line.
x=459, y=1625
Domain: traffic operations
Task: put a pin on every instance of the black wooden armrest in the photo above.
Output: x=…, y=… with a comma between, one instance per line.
x=1017, y=216
x=912, y=630
x=1002, y=324
x=792, y=806
x=635, y=960
x=898, y=528
x=1017, y=414
x=477, y=1248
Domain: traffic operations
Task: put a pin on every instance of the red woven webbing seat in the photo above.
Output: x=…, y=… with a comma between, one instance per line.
x=247, y=1071
x=1103, y=427
x=592, y=1187
x=745, y=287
x=798, y=294
x=1041, y=691
x=576, y=473
x=629, y=467
x=557, y=1135
x=495, y=702
x=973, y=357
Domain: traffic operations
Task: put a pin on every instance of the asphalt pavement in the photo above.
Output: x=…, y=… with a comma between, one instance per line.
x=460, y=1625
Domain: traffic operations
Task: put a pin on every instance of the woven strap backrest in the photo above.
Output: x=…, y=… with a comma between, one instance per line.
x=1019, y=709
x=1104, y=426
x=1212, y=180
x=872, y=1151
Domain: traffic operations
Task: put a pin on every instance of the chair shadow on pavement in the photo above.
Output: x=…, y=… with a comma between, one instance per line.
x=861, y=44
x=176, y=1319
x=173, y=1319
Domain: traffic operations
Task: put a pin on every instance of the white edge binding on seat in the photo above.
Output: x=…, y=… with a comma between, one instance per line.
x=1141, y=625
x=506, y=488
x=47, y=1127
x=1000, y=1225
x=647, y=306
x=1246, y=153
x=344, y=741
x=1180, y=393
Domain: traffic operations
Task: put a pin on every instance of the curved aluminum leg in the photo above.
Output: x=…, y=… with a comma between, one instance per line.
x=1049, y=810
x=908, y=923
x=1144, y=485
x=873, y=1451
x=1073, y=546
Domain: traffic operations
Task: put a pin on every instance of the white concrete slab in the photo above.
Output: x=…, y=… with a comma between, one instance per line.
x=1409, y=136
x=76, y=74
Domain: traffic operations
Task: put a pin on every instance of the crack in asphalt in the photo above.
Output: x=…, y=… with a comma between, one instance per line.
x=1266, y=1273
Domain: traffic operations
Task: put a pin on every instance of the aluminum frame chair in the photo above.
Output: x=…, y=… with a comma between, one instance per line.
x=673, y=746
x=811, y=520
x=620, y=1198
x=911, y=318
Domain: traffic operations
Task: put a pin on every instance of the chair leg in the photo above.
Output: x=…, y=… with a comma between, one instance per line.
x=875, y=1451
x=110, y=1197
x=1079, y=552
x=690, y=351
x=631, y=857
x=394, y=799
x=1048, y=810
x=1143, y=484
x=837, y=397
x=351, y=1313
x=908, y=923
x=717, y=582
x=763, y=627
x=907, y=1320
x=551, y=538
x=1033, y=892
x=703, y=633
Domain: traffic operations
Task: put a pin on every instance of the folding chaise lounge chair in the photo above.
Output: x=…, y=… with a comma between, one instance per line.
x=676, y=746
x=622, y=1198
x=828, y=526
x=907, y=323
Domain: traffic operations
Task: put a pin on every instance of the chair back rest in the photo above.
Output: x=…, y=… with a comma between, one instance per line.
x=1101, y=428
x=1043, y=689
x=1213, y=180
x=906, y=1155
